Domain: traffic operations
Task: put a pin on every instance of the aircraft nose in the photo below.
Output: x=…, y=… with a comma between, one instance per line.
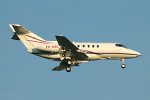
x=138, y=54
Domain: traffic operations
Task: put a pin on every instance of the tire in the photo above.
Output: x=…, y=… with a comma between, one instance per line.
x=123, y=66
x=68, y=69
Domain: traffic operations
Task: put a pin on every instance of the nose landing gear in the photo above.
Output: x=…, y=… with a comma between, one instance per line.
x=123, y=65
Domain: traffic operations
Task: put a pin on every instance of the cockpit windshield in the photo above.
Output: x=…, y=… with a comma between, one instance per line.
x=120, y=45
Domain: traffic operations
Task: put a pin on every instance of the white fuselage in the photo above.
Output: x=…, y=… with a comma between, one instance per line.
x=70, y=54
x=94, y=51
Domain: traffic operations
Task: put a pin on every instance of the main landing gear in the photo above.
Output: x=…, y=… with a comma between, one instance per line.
x=123, y=65
x=68, y=67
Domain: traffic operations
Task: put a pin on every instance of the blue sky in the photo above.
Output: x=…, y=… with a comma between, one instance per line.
x=27, y=77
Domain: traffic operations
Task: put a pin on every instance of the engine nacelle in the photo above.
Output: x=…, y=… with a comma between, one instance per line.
x=49, y=47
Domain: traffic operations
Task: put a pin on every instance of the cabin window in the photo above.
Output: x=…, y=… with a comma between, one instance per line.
x=83, y=46
x=93, y=46
x=88, y=46
x=78, y=46
x=97, y=46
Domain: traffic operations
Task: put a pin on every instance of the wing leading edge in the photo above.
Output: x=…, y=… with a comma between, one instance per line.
x=70, y=49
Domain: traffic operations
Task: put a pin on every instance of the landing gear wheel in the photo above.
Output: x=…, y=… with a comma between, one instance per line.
x=69, y=62
x=123, y=66
x=68, y=69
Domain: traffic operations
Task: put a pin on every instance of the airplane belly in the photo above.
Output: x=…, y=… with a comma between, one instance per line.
x=117, y=56
x=93, y=56
x=55, y=57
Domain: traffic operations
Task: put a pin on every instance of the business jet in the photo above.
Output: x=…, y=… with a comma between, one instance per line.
x=70, y=53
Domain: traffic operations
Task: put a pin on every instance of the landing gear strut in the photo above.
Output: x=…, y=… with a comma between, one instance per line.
x=123, y=65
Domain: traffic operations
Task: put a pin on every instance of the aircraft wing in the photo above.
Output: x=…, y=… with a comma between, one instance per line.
x=71, y=50
x=63, y=66
x=58, y=68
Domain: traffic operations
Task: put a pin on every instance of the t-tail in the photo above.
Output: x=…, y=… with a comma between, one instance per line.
x=29, y=39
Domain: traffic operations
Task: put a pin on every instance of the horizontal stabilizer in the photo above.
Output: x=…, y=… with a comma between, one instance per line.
x=15, y=37
x=19, y=29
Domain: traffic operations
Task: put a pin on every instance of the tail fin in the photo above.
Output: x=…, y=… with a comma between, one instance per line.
x=29, y=39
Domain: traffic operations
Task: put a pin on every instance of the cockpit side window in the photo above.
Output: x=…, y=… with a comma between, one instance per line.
x=120, y=45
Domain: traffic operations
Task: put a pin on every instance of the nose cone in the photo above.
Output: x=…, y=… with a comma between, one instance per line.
x=134, y=53
x=137, y=53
